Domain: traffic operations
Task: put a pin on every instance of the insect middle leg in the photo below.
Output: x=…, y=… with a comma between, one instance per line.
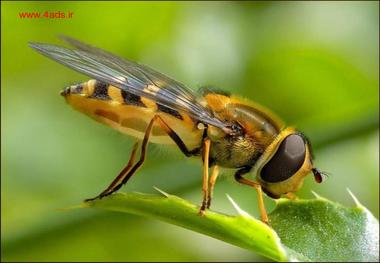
x=239, y=177
x=206, y=154
x=211, y=184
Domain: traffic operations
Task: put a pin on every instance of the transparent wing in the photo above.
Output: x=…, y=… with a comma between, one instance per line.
x=161, y=80
x=129, y=76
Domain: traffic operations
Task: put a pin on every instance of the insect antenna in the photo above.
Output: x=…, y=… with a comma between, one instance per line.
x=320, y=176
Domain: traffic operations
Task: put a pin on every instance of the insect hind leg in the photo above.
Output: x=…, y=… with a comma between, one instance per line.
x=122, y=174
x=130, y=170
x=127, y=173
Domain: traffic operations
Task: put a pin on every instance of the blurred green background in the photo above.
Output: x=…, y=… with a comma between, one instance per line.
x=314, y=63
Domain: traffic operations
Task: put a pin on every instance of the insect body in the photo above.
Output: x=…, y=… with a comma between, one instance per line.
x=224, y=130
x=131, y=114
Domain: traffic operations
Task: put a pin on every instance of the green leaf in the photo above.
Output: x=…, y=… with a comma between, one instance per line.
x=322, y=230
x=306, y=230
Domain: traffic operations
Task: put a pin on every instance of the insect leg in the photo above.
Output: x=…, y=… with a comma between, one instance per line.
x=137, y=165
x=121, y=175
x=292, y=196
x=181, y=145
x=127, y=172
x=211, y=184
x=239, y=177
x=206, y=154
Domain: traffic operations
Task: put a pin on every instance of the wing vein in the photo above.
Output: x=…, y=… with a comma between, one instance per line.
x=130, y=77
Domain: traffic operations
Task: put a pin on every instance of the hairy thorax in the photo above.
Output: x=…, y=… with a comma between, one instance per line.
x=235, y=152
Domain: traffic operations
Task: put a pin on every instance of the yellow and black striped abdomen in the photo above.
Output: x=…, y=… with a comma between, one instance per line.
x=129, y=113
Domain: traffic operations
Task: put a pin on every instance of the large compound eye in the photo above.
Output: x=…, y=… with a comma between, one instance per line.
x=286, y=161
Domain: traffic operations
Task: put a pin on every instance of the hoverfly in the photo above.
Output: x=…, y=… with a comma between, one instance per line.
x=224, y=130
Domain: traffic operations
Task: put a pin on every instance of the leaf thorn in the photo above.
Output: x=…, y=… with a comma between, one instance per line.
x=356, y=201
x=317, y=196
x=82, y=205
x=161, y=192
x=237, y=207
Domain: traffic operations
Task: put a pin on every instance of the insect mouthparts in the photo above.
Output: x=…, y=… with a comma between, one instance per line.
x=65, y=92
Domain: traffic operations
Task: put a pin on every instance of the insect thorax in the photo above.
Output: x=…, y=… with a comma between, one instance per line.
x=257, y=131
x=234, y=152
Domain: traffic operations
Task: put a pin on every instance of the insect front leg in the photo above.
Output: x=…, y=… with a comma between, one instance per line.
x=239, y=177
x=292, y=196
